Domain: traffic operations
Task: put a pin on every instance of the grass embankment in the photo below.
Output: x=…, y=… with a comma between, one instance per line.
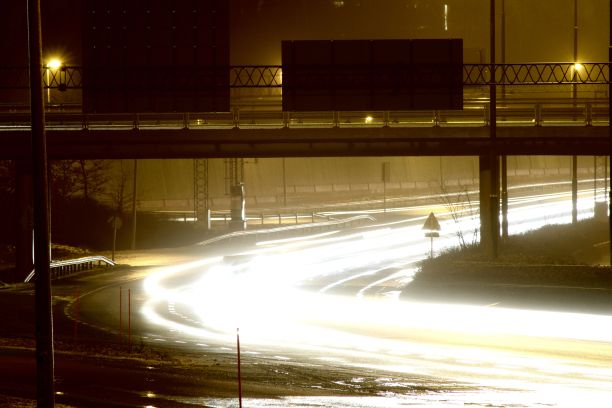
x=558, y=266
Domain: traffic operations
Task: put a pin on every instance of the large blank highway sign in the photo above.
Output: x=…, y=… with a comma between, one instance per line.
x=346, y=75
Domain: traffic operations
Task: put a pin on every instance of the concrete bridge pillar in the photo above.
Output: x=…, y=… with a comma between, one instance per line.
x=489, y=203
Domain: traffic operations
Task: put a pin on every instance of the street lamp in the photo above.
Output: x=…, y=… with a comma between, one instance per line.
x=53, y=65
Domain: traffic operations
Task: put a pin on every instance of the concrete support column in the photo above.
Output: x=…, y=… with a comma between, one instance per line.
x=574, y=189
x=484, y=164
x=489, y=202
x=504, y=195
x=24, y=262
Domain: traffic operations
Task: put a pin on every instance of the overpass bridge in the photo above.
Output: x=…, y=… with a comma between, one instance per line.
x=542, y=109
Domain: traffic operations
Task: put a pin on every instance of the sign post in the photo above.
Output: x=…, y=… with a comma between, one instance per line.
x=432, y=228
x=386, y=177
x=115, y=221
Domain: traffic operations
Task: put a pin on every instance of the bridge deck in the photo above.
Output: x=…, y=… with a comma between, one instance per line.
x=287, y=142
x=524, y=127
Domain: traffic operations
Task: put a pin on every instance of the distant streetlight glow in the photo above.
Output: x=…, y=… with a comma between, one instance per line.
x=446, y=17
x=54, y=63
x=368, y=119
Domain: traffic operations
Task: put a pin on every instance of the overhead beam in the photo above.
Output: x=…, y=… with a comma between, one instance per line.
x=288, y=142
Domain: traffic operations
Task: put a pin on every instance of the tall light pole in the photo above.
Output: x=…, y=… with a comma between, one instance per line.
x=504, y=159
x=574, y=96
x=610, y=126
x=45, y=395
x=494, y=160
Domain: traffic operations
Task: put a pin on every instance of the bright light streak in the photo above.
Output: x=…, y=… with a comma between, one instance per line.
x=268, y=293
x=295, y=239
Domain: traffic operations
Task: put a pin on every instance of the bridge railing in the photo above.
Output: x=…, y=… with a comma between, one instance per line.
x=511, y=112
x=270, y=76
x=62, y=268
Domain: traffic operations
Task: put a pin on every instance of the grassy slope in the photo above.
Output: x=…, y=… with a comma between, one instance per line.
x=556, y=267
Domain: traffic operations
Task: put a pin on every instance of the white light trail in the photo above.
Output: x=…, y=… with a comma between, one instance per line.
x=285, y=294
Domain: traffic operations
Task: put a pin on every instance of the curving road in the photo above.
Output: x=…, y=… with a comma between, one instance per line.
x=334, y=298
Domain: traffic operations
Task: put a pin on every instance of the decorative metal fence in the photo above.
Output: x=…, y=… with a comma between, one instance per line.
x=270, y=76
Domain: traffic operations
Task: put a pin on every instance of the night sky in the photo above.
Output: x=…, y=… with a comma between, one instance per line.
x=537, y=31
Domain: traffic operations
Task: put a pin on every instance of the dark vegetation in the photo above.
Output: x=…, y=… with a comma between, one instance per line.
x=579, y=244
x=84, y=198
x=555, y=267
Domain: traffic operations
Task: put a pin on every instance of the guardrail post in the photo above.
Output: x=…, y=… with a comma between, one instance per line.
x=262, y=219
x=236, y=116
x=436, y=118
x=538, y=114
x=286, y=119
x=136, y=122
x=120, y=313
x=185, y=120
x=589, y=114
x=129, y=320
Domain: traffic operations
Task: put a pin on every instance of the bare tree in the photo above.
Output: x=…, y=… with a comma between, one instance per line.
x=74, y=178
x=461, y=207
x=94, y=177
x=118, y=189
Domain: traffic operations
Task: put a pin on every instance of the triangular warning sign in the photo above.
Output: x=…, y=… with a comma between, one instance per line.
x=431, y=224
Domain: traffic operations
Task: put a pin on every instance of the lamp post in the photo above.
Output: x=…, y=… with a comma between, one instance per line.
x=574, y=96
x=45, y=395
x=53, y=66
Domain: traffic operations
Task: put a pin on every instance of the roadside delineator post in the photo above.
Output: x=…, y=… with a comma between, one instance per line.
x=239, y=376
x=129, y=319
x=432, y=228
x=120, y=322
x=77, y=307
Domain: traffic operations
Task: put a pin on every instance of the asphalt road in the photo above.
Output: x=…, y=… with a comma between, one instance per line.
x=322, y=323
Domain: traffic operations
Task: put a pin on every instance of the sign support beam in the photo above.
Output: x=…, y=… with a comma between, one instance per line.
x=610, y=126
x=494, y=159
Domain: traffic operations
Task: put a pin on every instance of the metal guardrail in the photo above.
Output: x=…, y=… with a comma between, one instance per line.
x=510, y=112
x=69, y=266
x=270, y=76
x=288, y=229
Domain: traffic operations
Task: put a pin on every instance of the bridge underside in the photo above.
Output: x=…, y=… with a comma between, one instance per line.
x=304, y=142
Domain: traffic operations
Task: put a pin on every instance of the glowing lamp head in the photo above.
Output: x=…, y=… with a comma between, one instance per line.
x=368, y=119
x=54, y=63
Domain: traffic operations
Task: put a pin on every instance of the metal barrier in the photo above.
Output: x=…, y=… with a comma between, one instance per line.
x=270, y=76
x=317, y=226
x=510, y=112
x=69, y=266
